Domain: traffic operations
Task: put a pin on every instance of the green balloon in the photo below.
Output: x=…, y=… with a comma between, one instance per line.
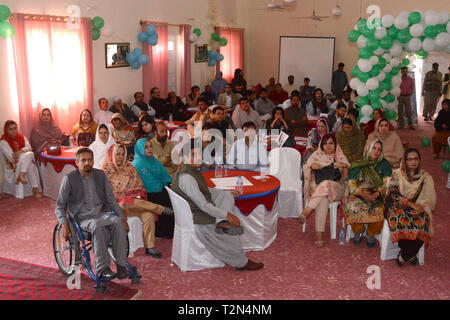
x=215, y=36
x=374, y=95
x=372, y=43
x=6, y=29
x=223, y=42
x=425, y=142
x=387, y=77
x=5, y=13
x=368, y=33
x=422, y=54
x=375, y=71
x=396, y=70
x=386, y=42
x=391, y=115
x=381, y=62
x=386, y=85
x=197, y=32
x=353, y=35
x=392, y=32
x=389, y=98
x=362, y=101
x=95, y=34
x=431, y=31
x=98, y=22
x=361, y=24
x=376, y=104
x=414, y=17
x=403, y=36
x=422, y=38
x=405, y=62
x=446, y=166
x=365, y=53
x=364, y=76
x=356, y=71
x=441, y=28
x=375, y=23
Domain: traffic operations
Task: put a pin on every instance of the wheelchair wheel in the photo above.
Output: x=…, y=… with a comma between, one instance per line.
x=64, y=251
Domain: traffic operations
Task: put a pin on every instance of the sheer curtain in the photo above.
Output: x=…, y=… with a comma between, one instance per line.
x=233, y=52
x=185, y=61
x=53, y=64
x=156, y=72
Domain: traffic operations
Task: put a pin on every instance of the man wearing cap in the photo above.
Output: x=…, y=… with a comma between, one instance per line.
x=431, y=91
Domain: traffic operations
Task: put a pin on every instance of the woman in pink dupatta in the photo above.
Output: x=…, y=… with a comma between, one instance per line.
x=318, y=197
x=45, y=131
x=131, y=195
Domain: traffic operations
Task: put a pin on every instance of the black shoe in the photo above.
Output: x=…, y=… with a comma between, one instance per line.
x=399, y=262
x=121, y=272
x=371, y=242
x=168, y=212
x=357, y=239
x=227, y=228
x=413, y=261
x=152, y=251
x=107, y=273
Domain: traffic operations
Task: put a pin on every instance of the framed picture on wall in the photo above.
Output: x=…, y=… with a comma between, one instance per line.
x=116, y=54
x=201, y=53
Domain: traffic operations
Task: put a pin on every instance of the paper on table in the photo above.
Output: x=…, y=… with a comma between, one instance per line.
x=229, y=182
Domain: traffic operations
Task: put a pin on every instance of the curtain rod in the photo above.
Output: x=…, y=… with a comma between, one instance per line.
x=42, y=17
x=142, y=22
x=230, y=28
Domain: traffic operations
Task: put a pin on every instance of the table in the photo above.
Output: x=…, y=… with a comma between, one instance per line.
x=54, y=168
x=256, y=208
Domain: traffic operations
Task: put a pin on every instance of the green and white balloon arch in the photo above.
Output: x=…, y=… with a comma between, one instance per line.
x=384, y=44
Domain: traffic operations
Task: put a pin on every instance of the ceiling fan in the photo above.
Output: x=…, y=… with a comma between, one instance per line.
x=313, y=17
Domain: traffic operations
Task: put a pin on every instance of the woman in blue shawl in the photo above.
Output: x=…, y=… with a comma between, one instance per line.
x=218, y=85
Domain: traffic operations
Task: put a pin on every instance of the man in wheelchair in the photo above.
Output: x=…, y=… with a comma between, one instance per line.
x=87, y=195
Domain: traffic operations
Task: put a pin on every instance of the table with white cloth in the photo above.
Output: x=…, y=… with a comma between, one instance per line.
x=256, y=208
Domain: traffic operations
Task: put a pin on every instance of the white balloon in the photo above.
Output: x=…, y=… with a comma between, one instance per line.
x=387, y=56
x=366, y=111
x=416, y=30
x=404, y=13
x=396, y=49
x=106, y=31
x=431, y=18
x=387, y=20
x=447, y=49
x=355, y=83
x=395, y=103
x=414, y=44
x=397, y=80
x=430, y=12
x=395, y=91
x=336, y=11
x=448, y=27
x=379, y=51
x=401, y=22
x=412, y=58
x=192, y=37
x=364, y=65
x=383, y=93
x=384, y=103
x=364, y=120
x=374, y=60
x=361, y=42
x=442, y=17
x=380, y=33
x=428, y=44
x=381, y=76
x=395, y=62
x=362, y=90
x=442, y=40
x=199, y=41
x=372, y=83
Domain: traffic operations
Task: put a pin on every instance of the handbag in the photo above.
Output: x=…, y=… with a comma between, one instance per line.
x=327, y=173
x=53, y=147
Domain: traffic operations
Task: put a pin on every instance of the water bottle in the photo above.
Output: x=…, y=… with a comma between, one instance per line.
x=72, y=141
x=239, y=185
x=170, y=117
x=218, y=170
x=342, y=236
x=225, y=170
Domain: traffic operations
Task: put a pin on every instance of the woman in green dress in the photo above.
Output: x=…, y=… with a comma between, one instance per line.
x=367, y=188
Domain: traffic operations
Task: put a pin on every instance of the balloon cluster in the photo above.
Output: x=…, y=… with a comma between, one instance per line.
x=150, y=35
x=136, y=58
x=194, y=37
x=384, y=46
x=215, y=43
x=97, y=24
x=6, y=29
x=214, y=57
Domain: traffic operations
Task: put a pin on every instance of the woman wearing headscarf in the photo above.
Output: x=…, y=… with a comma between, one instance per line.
x=122, y=132
x=392, y=145
x=351, y=139
x=155, y=178
x=18, y=158
x=45, y=131
x=146, y=128
x=103, y=140
x=85, y=130
x=218, y=85
x=442, y=126
x=316, y=134
x=410, y=202
x=367, y=188
x=369, y=127
x=131, y=195
x=331, y=188
x=239, y=80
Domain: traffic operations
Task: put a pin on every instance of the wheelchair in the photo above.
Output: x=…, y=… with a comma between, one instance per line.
x=72, y=254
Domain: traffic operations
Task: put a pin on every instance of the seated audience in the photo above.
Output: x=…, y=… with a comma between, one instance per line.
x=346, y=99
x=271, y=86
x=287, y=102
x=239, y=80
x=45, y=131
x=103, y=115
x=86, y=193
x=162, y=148
x=122, y=108
x=218, y=85
x=131, y=196
x=208, y=95
x=199, y=118
x=290, y=86
x=146, y=128
x=296, y=117
x=315, y=134
x=155, y=178
x=335, y=118
x=329, y=187
x=410, y=202
x=103, y=140
x=84, y=131
x=158, y=104
x=278, y=96
x=239, y=90
x=306, y=92
x=369, y=127
x=219, y=121
x=277, y=122
x=249, y=152
x=442, y=126
x=176, y=107
x=244, y=113
x=367, y=189
x=319, y=104
x=18, y=158
x=193, y=97
x=263, y=105
x=228, y=99
x=214, y=223
x=122, y=132
x=392, y=145
x=351, y=140
x=139, y=105
x=251, y=95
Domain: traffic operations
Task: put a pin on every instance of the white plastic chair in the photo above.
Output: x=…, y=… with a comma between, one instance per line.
x=187, y=250
x=20, y=190
x=285, y=164
x=333, y=218
x=135, y=236
x=184, y=100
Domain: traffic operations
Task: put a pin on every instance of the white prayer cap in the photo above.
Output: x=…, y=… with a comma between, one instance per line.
x=115, y=99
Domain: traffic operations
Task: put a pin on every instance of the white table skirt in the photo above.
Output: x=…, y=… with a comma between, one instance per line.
x=51, y=180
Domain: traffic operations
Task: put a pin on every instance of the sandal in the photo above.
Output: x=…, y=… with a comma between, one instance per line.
x=319, y=243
